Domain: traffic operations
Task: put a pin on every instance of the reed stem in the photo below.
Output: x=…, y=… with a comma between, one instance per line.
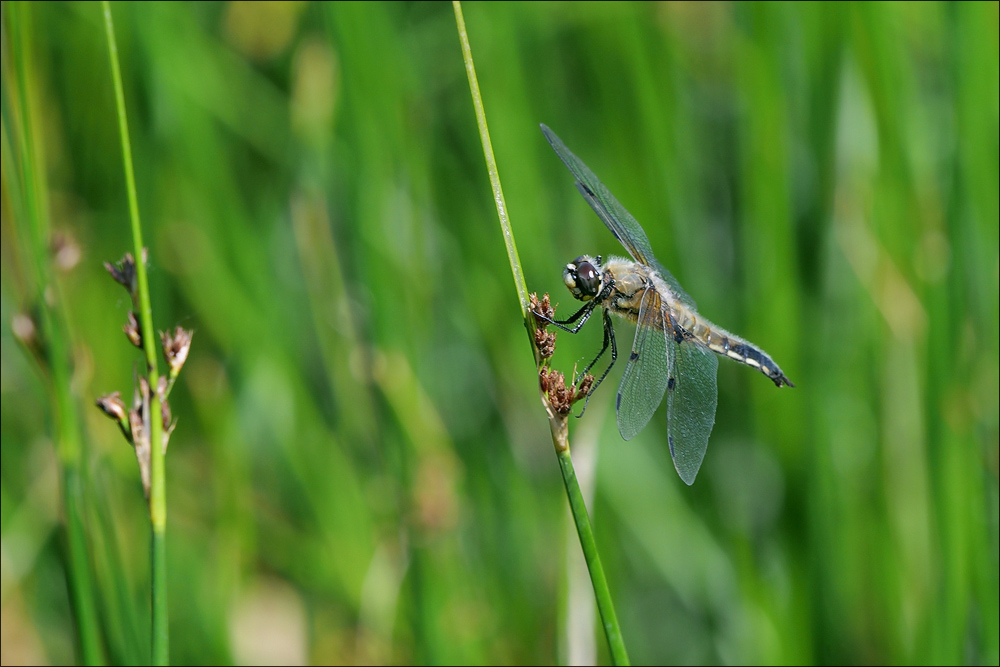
x=157, y=486
x=557, y=422
x=32, y=214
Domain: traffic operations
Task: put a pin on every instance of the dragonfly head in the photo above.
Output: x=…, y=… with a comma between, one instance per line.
x=583, y=277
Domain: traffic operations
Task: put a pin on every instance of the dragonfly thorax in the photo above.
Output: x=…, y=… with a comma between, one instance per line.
x=583, y=277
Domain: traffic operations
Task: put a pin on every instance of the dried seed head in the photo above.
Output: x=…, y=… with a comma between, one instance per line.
x=165, y=414
x=113, y=406
x=133, y=330
x=137, y=428
x=141, y=388
x=560, y=397
x=140, y=440
x=541, y=309
x=175, y=348
x=124, y=271
x=547, y=309
x=584, y=388
x=138, y=418
x=168, y=422
x=543, y=379
x=545, y=341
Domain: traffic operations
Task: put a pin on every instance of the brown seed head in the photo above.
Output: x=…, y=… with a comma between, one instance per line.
x=541, y=309
x=113, y=406
x=543, y=379
x=586, y=383
x=140, y=394
x=140, y=441
x=124, y=272
x=165, y=414
x=137, y=428
x=133, y=330
x=175, y=348
x=545, y=341
x=560, y=397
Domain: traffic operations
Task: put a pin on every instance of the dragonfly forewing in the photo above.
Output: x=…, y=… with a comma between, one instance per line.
x=648, y=369
x=616, y=217
x=692, y=396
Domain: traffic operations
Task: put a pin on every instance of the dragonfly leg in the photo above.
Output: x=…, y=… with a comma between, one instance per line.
x=609, y=337
x=583, y=315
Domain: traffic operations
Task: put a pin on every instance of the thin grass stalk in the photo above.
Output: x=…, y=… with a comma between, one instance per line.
x=157, y=487
x=55, y=359
x=491, y=167
x=557, y=422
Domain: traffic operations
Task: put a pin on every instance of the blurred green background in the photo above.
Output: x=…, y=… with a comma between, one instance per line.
x=362, y=471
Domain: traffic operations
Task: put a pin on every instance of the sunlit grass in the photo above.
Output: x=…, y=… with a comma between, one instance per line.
x=372, y=471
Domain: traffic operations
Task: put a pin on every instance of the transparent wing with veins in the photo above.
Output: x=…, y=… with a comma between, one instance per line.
x=621, y=223
x=692, y=396
x=685, y=371
x=648, y=369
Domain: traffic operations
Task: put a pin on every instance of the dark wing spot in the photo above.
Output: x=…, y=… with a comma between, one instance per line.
x=670, y=441
x=633, y=356
x=671, y=383
x=618, y=401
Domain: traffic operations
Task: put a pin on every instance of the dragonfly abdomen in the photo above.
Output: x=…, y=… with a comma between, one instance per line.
x=727, y=345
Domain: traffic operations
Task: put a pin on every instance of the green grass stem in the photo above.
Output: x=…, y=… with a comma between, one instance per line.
x=557, y=422
x=606, y=607
x=491, y=167
x=56, y=361
x=157, y=488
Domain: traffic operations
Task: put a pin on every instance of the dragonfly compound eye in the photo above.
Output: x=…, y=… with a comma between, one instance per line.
x=582, y=279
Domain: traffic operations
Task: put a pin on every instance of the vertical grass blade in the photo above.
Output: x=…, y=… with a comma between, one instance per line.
x=157, y=490
x=557, y=422
x=491, y=165
x=34, y=228
x=609, y=619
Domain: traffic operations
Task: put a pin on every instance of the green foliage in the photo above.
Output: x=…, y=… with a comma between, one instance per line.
x=361, y=469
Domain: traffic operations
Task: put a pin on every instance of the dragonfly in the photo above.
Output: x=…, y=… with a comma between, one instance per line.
x=675, y=351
